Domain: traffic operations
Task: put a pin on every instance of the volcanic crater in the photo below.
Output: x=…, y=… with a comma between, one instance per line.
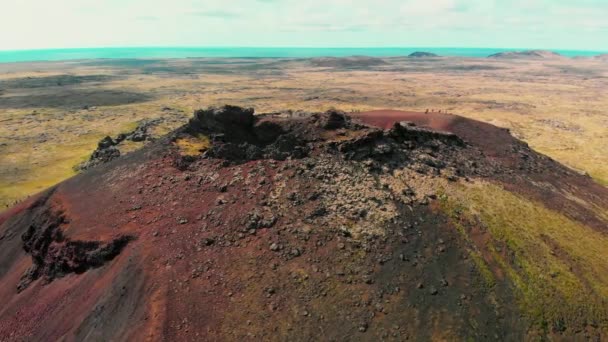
x=316, y=226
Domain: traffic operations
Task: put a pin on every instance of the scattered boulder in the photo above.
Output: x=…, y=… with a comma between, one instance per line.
x=106, y=142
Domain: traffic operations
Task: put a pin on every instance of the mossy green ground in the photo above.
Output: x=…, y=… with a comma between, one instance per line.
x=39, y=177
x=558, y=267
x=31, y=167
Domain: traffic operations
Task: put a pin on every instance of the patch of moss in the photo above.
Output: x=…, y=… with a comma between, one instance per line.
x=193, y=145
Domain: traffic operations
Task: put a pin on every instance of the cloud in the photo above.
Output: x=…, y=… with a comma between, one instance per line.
x=309, y=22
x=147, y=18
x=219, y=14
x=325, y=27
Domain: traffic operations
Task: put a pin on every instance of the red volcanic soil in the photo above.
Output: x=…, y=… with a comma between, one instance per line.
x=282, y=230
x=386, y=118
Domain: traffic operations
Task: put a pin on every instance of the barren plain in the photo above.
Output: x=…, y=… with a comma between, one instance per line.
x=53, y=114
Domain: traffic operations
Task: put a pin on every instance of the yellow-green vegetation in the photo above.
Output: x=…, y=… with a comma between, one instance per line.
x=129, y=127
x=483, y=268
x=44, y=173
x=193, y=145
x=558, y=267
x=127, y=146
x=32, y=167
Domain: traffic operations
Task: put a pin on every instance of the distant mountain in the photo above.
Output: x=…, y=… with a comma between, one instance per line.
x=540, y=54
x=422, y=54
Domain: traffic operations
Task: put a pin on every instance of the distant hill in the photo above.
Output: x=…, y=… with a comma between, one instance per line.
x=422, y=54
x=603, y=57
x=347, y=62
x=540, y=54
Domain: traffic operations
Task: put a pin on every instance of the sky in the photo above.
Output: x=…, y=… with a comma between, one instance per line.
x=547, y=24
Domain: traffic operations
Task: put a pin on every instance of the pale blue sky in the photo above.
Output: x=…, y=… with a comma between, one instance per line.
x=553, y=24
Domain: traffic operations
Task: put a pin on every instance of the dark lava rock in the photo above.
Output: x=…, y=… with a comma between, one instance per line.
x=239, y=136
x=54, y=255
x=228, y=120
x=333, y=119
x=405, y=130
x=208, y=241
x=100, y=156
x=106, y=142
x=140, y=133
x=107, y=147
x=182, y=163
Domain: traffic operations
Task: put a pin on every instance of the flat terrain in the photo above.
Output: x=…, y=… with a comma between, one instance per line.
x=53, y=114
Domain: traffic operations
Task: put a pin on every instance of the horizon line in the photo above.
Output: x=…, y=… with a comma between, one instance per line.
x=295, y=47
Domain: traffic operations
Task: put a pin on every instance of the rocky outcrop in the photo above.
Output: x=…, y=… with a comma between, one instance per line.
x=107, y=148
x=230, y=121
x=237, y=135
x=141, y=132
x=333, y=119
x=105, y=152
